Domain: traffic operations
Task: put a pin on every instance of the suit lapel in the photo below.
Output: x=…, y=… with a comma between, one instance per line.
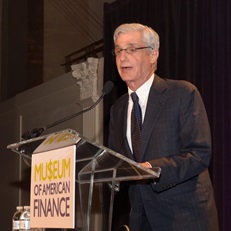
x=156, y=100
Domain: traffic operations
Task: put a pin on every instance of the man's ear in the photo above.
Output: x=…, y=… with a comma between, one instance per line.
x=154, y=56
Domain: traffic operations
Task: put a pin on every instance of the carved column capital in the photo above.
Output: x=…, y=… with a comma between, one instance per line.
x=86, y=74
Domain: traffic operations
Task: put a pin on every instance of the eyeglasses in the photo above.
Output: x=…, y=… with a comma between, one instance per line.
x=128, y=50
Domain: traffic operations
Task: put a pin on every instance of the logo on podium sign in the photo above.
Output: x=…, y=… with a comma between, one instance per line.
x=52, y=197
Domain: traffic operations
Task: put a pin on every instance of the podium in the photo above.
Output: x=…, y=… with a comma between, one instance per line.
x=95, y=165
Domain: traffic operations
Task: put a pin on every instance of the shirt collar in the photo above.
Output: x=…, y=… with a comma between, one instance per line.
x=143, y=90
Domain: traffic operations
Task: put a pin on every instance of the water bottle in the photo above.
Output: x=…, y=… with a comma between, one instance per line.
x=25, y=219
x=16, y=218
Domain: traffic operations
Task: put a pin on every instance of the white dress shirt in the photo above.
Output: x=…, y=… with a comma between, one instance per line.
x=142, y=93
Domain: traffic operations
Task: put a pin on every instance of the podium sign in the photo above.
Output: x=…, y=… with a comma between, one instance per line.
x=53, y=188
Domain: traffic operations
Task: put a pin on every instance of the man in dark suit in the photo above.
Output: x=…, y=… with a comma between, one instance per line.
x=174, y=136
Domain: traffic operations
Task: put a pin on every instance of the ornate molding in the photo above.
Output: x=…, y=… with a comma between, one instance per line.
x=86, y=74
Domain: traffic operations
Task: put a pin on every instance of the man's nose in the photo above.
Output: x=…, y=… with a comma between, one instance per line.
x=123, y=55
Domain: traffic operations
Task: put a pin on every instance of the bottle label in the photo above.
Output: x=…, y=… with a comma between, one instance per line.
x=15, y=225
x=25, y=224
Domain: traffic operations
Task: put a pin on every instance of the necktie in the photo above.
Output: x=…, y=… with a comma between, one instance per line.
x=136, y=123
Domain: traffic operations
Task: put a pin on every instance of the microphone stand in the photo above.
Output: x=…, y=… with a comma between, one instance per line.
x=74, y=115
x=38, y=131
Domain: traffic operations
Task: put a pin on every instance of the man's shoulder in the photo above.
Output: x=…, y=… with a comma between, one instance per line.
x=176, y=84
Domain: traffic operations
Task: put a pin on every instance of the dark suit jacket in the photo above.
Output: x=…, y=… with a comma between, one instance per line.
x=176, y=138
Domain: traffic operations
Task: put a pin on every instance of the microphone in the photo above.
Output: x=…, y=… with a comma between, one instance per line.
x=38, y=131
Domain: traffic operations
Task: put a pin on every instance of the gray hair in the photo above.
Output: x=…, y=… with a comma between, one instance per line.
x=149, y=36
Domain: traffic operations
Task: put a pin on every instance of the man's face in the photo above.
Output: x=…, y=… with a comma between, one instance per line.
x=137, y=67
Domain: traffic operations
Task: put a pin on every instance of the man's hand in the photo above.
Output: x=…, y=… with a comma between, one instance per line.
x=146, y=165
